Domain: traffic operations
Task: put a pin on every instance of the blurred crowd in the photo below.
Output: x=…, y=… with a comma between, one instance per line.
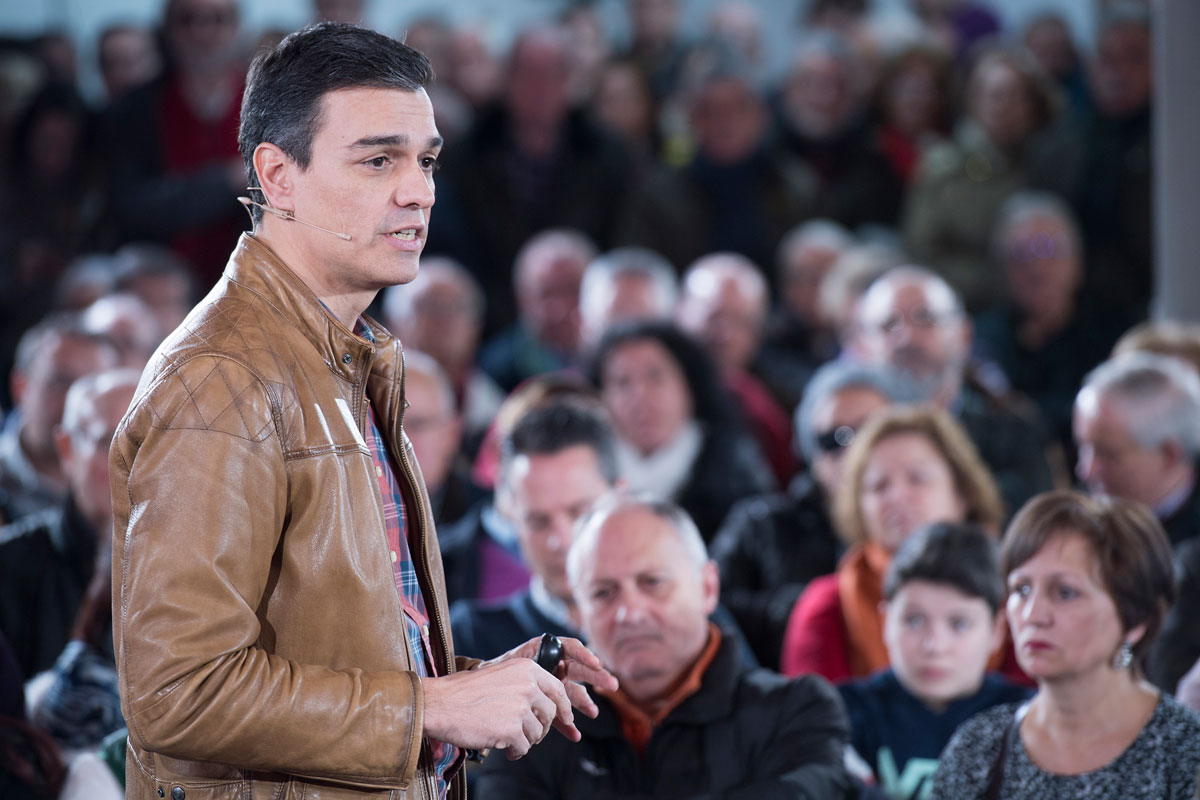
x=820, y=309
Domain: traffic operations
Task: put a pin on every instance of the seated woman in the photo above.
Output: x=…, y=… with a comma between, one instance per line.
x=906, y=468
x=1089, y=580
x=678, y=434
x=942, y=596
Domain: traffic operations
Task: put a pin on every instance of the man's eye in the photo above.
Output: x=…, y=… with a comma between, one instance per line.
x=430, y=163
x=379, y=162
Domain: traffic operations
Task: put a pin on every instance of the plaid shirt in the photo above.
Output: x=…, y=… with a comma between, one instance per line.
x=416, y=618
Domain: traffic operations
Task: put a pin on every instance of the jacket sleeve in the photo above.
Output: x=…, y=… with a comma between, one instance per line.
x=200, y=503
x=816, y=634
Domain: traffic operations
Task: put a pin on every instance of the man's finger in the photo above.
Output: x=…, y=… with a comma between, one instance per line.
x=581, y=700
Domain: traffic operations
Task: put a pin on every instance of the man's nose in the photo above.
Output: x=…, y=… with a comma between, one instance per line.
x=415, y=188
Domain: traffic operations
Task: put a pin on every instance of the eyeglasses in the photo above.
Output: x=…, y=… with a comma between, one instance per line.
x=917, y=319
x=836, y=440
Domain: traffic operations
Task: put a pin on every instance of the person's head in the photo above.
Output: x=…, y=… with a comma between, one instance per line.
x=728, y=118
x=94, y=406
x=724, y=305
x=128, y=323
x=440, y=313
x=622, y=102
x=337, y=129
x=1087, y=576
x=1166, y=338
x=536, y=87
x=644, y=586
x=820, y=92
x=156, y=276
x=1009, y=96
x=559, y=458
x=654, y=379
x=1048, y=38
x=546, y=277
x=1123, y=69
x=628, y=284
x=913, y=93
x=1037, y=246
x=838, y=400
x=85, y=280
x=200, y=35
x=475, y=71
x=127, y=56
x=910, y=320
x=50, y=357
x=943, y=592
x=805, y=256
x=907, y=467
x=48, y=141
x=1137, y=426
x=654, y=23
x=431, y=419
x=739, y=24
x=843, y=287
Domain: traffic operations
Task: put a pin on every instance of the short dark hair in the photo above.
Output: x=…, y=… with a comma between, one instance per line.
x=284, y=87
x=1132, y=553
x=557, y=425
x=962, y=556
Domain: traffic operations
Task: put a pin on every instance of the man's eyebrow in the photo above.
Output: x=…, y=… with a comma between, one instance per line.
x=394, y=140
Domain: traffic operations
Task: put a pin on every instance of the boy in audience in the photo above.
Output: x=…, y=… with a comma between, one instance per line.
x=943, y=597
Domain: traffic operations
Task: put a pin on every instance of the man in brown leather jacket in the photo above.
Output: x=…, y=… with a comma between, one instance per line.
x=279, y=610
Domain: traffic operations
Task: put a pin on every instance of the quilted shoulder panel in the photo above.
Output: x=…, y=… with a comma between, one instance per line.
x=212, y=393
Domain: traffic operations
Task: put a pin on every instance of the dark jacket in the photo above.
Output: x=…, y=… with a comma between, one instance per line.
x=744, y=734
x=769, y=548
x=1009, y=436
x=728, y=468
x=46, y=562
x=488, y=631
x=1177, y=646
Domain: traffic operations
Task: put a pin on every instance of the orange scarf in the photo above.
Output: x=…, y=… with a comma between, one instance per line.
x=860, y=591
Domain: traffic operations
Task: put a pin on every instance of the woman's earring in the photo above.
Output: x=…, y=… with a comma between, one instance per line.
x=1124, y=656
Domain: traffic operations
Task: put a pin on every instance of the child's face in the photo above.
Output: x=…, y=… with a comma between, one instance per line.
x=939, y=640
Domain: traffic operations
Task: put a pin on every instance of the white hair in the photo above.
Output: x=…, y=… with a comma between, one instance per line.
x=1161, y=393
x=595, y=292
x=587, y=527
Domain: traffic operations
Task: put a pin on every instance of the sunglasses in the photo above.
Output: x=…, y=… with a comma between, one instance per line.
x=836, y=440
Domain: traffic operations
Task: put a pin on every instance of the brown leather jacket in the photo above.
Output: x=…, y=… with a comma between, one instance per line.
x=259, y=635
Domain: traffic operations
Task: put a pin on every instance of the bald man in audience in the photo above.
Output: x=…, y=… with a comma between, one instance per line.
x=690, y=719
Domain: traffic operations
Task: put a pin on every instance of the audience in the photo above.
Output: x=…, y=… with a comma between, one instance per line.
x=1046, y=337
x=912, y=322
x=546, y=337
x=943, y=594
x=689, y=719
x=961, y=185
x=724, y=306
x=47, y=557
x=441, y=314
x=50, y=357
x=811, y=155
x=554, y=464
x=1137, y=427
x=1088, y=582
x=678, y=433
x=770, y=546
x=628, y=284
x=907, y=467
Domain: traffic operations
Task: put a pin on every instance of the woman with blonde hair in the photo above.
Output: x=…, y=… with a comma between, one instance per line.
x=909, y=466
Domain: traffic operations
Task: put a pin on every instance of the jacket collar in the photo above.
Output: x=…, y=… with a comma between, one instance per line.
x=255, y=267
x=713, y=702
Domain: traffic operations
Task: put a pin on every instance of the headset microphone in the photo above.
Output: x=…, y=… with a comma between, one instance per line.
x=288, y=215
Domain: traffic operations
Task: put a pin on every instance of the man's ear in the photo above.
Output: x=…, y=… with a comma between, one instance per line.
x=275, y=169
x=710, y=585
x=63, y=446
